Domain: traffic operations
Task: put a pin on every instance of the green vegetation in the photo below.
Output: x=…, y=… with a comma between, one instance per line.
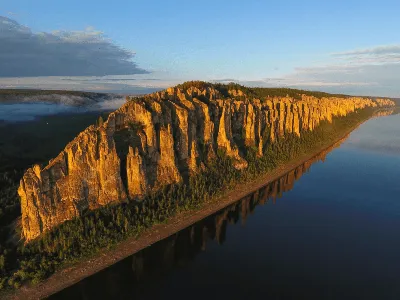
x=107, y=226
x=136, y=127
x=38, y=141
x=21, y=145
x=257, y=91
x=25, y=143
x=100, y=121
x=196, y=84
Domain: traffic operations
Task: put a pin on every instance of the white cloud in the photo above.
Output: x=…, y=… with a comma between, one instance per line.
x=387, y=49
x=374, y=55
x=24, y=53
x=373, y=71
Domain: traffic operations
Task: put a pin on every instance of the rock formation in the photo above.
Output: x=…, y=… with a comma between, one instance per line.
x=196, y=238
x=160, y=139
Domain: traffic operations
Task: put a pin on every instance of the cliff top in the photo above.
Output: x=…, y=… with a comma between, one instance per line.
x=163, y=138
x=259, y=92
x=239, y=92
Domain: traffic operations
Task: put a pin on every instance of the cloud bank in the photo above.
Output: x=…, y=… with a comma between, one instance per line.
x=379, y=51
x=24, y=53
x=119, y=84
x=88, y=61
x=372, y=71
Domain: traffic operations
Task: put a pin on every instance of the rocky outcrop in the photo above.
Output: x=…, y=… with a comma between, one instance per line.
x=385, y=102
x=161, y=139
x=196, y=238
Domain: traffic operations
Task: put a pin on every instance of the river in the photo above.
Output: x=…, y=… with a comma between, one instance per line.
x=330, y=229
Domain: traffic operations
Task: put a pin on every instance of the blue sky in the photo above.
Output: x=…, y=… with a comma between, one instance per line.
x=346, y=46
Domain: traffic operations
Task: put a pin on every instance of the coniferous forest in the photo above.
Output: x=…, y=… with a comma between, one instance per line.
x=82, y=237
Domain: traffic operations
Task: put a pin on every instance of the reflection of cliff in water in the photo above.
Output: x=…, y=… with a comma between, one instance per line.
x=129, y=278
x=386, y=112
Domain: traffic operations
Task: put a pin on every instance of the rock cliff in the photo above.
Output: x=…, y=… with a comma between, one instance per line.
x=161, y=139
x=196, y=238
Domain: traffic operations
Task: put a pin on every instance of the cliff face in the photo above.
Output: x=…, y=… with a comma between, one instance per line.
x=159, y=139
x=196, y=238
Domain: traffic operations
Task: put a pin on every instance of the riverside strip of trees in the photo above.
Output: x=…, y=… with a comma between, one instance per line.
x=104, y=227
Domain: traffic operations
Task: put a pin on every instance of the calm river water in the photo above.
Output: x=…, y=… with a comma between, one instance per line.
x=330, y=229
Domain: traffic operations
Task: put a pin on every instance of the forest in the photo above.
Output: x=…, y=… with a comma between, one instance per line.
x=83, y=237
x=257, y=92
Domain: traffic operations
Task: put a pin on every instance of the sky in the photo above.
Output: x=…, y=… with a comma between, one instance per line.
x=350, y=47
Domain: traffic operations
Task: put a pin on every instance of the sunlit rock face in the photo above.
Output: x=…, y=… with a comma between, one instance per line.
x=385, y=102
x=161, y=139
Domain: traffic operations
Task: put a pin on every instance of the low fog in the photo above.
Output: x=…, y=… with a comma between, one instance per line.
x=28, y=108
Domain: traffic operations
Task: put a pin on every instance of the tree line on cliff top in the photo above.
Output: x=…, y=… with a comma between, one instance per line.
x=256, y=92
x=105, y=227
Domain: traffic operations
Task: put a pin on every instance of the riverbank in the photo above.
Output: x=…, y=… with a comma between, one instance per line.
x=104, y=258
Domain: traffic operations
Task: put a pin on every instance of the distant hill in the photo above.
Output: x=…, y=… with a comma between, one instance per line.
x=33, y=92
x=75, y=98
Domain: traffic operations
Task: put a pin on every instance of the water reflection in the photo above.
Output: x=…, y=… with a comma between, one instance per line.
x=379, y=135
x=137, y=276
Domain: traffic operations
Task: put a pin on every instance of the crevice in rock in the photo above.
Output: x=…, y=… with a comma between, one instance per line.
x=123, y=138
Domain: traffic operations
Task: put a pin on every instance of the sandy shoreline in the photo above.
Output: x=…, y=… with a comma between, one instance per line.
x=68, y=276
